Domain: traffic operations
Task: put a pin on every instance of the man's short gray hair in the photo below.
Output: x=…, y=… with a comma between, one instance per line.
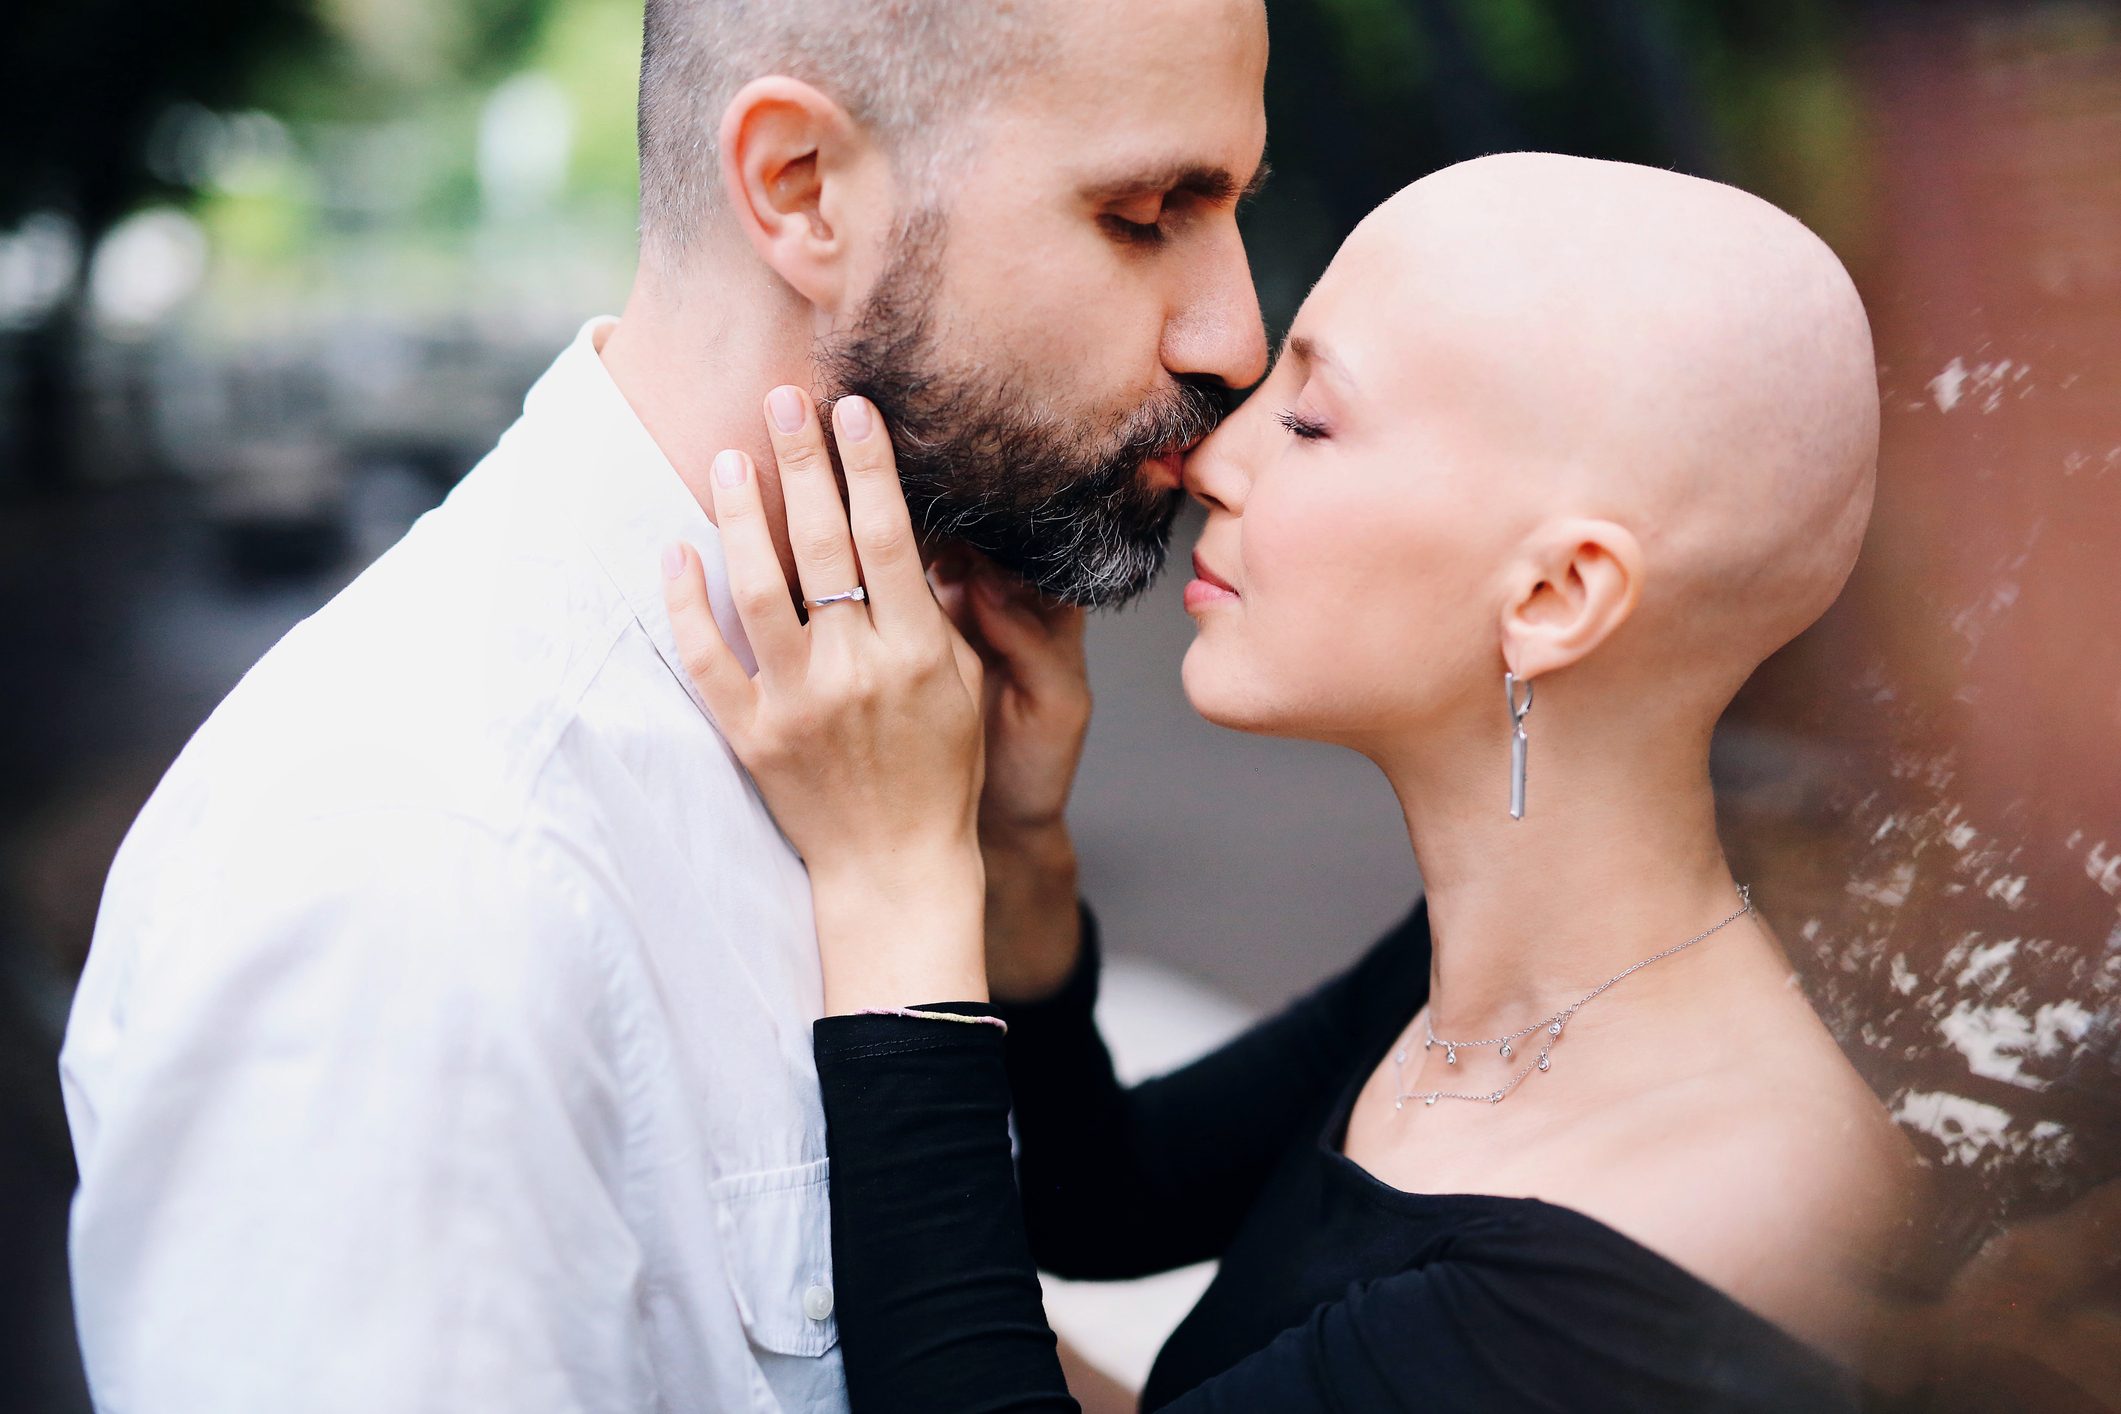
x=911, y=71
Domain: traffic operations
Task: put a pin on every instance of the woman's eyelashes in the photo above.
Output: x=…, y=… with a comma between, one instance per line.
x=1301, y=426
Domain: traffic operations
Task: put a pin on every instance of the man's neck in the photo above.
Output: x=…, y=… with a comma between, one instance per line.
x=694, y=355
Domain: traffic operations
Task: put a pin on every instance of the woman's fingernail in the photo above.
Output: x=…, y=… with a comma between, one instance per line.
x=729, y=468
x=786, y=405
x=855, y=419
x=673, y=561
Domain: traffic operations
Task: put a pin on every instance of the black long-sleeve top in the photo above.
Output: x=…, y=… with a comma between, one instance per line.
x=1336, y=1292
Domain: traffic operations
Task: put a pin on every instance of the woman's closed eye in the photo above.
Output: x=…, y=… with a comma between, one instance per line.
x=1301, y=426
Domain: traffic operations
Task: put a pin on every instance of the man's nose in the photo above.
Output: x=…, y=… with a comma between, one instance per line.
x=1215, y=329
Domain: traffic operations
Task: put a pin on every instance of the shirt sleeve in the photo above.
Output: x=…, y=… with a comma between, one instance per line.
x=940, y=1313
x=1121, y=1182
x=939, y=1305
x=938, y=1302
x=933, y=1247
x=351, y=1135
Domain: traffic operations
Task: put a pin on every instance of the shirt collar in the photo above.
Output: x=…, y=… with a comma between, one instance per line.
x=622, y=494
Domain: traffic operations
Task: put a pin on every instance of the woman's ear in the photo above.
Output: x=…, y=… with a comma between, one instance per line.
x=798, y=173
x=1578, y=582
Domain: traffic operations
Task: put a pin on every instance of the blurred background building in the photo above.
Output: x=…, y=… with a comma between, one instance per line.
x=273, y=273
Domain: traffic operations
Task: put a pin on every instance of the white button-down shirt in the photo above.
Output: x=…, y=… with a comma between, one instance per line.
x=445, y=1042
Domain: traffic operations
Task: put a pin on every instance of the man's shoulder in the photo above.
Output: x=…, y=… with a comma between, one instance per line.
x=446, y=674
x=306, y=925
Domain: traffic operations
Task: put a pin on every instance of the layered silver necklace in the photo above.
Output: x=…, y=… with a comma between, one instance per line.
x=1550, y=1024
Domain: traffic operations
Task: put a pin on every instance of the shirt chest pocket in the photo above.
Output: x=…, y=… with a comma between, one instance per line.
x=776, y=1227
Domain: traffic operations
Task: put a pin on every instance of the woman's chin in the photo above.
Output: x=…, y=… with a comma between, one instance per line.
x=1219, y=692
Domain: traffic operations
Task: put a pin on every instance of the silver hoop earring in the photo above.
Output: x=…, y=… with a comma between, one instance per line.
x=1517, y=739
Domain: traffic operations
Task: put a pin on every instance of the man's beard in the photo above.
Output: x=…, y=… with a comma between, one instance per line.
x=1057, y=499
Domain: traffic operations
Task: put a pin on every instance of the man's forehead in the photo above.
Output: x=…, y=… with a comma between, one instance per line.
x=1136, y=99
x=1159, y=70
x=1148, y=30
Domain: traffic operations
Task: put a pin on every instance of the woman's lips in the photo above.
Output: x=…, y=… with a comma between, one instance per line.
x=1207, y=587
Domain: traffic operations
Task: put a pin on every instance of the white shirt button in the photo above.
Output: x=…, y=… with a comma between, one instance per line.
x=817, y=1302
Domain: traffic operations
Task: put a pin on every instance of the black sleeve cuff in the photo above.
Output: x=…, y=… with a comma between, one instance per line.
x=859, y=1034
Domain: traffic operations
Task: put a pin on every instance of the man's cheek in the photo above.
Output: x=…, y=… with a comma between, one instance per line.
x=1039, y=316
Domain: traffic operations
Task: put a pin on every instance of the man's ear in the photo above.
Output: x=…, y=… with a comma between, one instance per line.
x=799, y=174
x=1579, y=580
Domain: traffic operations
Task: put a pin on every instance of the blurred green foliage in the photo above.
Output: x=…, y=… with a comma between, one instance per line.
x=382, y=103
x=458, y=162
x=83, y=82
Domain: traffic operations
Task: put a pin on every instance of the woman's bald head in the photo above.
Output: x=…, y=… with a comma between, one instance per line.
x=1669, y=353
x=1571, y=410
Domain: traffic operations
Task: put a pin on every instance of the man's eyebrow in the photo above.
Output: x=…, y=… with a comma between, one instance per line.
x=1210, y=183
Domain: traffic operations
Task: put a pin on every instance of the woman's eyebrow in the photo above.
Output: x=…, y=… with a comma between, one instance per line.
x=1308, y=350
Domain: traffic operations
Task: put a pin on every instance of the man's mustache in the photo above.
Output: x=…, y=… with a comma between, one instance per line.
x=1179, y=418
x=1194, y=407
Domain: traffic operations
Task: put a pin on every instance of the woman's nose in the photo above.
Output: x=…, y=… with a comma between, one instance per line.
x=1214, y=472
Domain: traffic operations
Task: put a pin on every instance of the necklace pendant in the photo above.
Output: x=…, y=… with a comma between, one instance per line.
x=1506, y=1050
x=1542, y=1062
x=1450, y=1055
x=1400, y=1103
x=1429, y=1045
x=1555, y=1029
x=1430, y=1100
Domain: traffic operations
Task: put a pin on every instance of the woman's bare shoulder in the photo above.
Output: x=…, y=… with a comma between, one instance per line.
x=1789, y=1188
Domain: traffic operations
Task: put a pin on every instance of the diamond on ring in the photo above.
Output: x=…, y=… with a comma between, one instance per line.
x=855, y=595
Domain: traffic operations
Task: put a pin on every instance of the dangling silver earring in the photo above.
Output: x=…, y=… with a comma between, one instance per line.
x=1517, y=739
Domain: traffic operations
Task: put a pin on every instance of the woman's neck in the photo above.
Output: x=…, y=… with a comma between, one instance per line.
x=1616, y=858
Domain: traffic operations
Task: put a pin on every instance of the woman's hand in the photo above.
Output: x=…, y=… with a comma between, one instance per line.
x=1037, y=692
x=1037, y=709
x=862, y=728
